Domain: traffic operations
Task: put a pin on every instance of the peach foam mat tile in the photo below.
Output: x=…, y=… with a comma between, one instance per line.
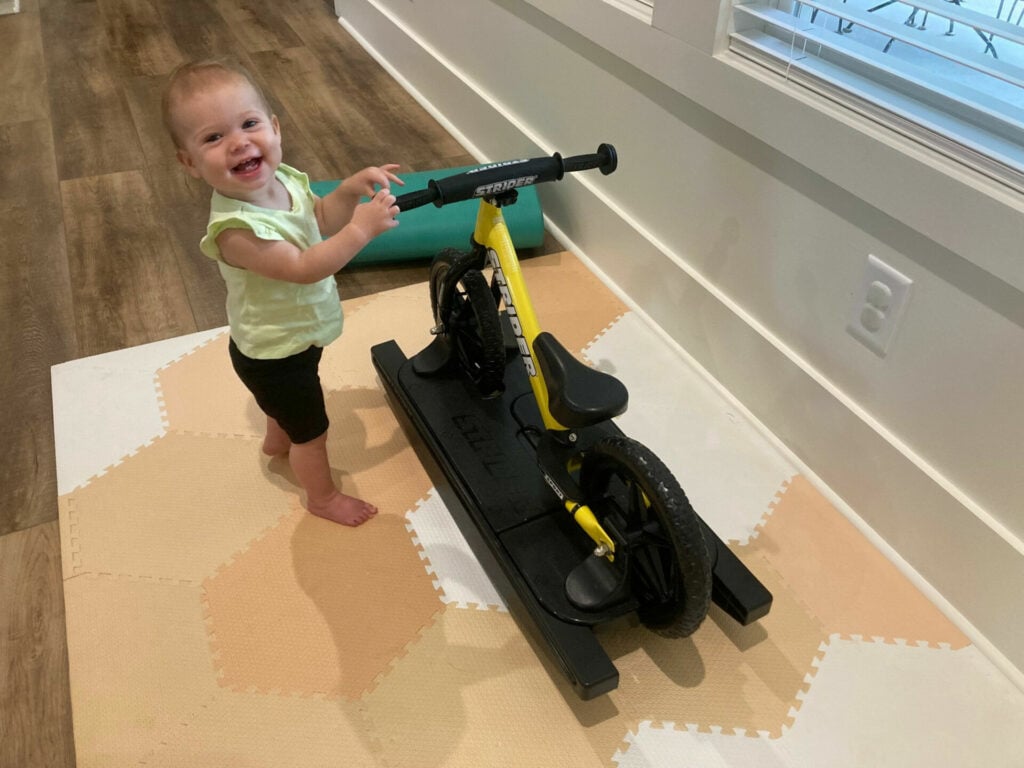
x=402, y=314
x=173, y=510
x=191, y=404
x=470, y=692
x=273, y=731
x=140, y=662
x=373, y=457
x=212, y=621
x=842, y=579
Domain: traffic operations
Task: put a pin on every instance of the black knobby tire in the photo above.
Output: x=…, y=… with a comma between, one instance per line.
x=465, y=310
x=669, y=568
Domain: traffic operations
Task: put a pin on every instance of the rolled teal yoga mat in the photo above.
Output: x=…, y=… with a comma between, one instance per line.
x=422, y=232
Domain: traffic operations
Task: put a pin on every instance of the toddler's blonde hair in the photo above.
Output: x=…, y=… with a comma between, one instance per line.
x=196, y=75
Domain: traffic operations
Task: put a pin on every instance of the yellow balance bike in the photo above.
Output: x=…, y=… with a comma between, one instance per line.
x=576, y=523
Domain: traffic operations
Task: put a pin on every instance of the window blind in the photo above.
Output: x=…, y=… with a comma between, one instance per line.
x=944, y=74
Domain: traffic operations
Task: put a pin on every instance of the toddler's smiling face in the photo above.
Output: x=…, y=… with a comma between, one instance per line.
x=228, y=139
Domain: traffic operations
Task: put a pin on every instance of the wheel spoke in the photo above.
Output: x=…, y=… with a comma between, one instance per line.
x=653, y=569
x=649, y=543
x=654, y=535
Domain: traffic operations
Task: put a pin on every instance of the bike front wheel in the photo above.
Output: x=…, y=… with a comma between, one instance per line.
x=666, y=557
x=465, y=312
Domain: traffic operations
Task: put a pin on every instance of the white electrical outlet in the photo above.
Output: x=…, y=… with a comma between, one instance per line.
x=880, y=303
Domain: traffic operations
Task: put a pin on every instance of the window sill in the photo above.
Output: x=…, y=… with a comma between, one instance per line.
x=641, y=11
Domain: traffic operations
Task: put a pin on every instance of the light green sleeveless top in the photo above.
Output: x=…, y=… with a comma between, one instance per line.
x=271, y=319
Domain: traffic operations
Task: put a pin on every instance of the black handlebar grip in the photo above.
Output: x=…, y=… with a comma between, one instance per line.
x=605, y=158
x=493, y=179
x=420, y=197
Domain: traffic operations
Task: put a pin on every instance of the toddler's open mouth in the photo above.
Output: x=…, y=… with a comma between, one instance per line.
x=250, y=165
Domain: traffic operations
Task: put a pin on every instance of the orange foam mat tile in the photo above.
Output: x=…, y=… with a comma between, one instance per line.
x=145, y=691
x=313, y=608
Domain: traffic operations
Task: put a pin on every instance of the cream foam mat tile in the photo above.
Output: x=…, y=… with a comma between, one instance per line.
x=729, y=470
x=870, y=704
x=105, y=406
x=459, y=576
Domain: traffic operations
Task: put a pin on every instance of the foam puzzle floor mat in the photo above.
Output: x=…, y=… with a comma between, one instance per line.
x=212, y=621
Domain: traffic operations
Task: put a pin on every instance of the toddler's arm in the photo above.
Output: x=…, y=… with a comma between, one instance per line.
x=280, y=260
x=335, y=210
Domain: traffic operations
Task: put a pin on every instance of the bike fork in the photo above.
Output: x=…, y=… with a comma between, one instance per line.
x=587, y=520
x=551, y=453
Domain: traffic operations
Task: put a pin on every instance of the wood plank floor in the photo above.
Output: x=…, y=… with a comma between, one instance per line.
x=100, y=230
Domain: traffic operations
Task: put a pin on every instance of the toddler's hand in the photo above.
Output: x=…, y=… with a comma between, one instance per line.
x=366, y=182
x=377, y=215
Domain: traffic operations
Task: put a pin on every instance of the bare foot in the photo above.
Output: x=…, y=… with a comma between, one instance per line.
x=313, y=471
x=276, y=442
x=343, y=509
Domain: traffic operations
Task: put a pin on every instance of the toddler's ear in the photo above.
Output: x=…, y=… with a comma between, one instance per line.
x=186, y=160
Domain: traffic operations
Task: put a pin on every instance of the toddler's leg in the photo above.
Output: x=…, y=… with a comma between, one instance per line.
x=323, y=499
x=276, y=442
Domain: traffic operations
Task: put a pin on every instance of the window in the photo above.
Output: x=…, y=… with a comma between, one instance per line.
x=941, y=72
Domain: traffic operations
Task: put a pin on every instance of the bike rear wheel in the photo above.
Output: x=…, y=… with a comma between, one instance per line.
x=465, y=312
x=667, y=560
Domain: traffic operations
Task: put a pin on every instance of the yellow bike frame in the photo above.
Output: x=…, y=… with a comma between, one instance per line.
x=491, y=232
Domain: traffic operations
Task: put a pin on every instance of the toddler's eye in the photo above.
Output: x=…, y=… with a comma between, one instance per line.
x=250, y=123
x=212, y=138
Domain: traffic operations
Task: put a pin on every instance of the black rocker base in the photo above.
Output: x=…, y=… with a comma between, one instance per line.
x=518, y=530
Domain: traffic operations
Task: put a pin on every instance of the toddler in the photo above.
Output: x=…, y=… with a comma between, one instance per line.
x=277, y=246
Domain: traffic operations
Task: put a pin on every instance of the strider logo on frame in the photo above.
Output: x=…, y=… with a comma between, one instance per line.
x=498, y=187
x=554, y=486
x=510, y=311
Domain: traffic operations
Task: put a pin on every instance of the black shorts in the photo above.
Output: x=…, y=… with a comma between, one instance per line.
x=288, y=390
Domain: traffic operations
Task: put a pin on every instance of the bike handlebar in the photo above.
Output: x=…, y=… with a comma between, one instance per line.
x=493, y=179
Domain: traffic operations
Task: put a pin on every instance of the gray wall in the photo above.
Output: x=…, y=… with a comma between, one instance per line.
x=740, y=223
